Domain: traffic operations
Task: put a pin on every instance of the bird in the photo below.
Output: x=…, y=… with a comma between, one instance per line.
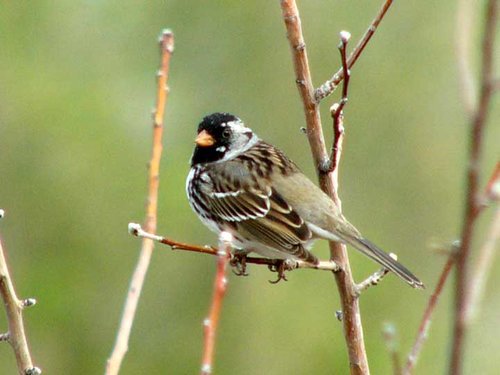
x=240, y=184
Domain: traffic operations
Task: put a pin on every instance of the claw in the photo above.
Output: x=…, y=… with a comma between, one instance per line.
x=239, y=264
x=280, y=267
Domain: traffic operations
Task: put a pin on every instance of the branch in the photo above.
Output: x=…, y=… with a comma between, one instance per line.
x=136, y=230
x=121, y=345
x=14, y=307
x=372, y=280
x=492, y=190
x=353, y=330
x=429, y=310
x=329, y=86
x=337, y=109
x=220, y=286
x=483, y=268
x=462, y=291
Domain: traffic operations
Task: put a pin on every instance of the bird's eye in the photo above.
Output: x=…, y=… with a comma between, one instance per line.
x=226, y=133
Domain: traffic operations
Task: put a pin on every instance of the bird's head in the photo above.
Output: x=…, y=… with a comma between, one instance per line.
x=221, y=137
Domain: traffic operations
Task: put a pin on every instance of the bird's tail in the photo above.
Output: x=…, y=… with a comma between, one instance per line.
x=379, y=256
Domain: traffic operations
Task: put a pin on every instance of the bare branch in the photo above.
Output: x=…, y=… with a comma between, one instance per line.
x=483, y=268
x=121, y=345
x=329, y=86
x=372, y=280
x=492, y=190
x=220, y=285
x=136, y=230
x=426, y=319
x=336, y=111
x=14, y=307
x=478, y=121
x=353, y=330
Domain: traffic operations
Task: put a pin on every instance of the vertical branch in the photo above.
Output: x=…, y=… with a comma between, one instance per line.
x=353, y=330
x=121, y=345
x=462, y=292
x=14, y=307
x=483, y=267
x=426, y=319
x=220, y=286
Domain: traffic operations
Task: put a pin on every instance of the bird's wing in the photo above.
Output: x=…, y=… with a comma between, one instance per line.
x=257, y=210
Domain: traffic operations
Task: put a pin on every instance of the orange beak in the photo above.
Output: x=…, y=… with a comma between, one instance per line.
x=204, y=139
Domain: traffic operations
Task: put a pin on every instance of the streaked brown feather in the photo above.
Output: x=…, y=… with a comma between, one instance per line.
x=258, y=211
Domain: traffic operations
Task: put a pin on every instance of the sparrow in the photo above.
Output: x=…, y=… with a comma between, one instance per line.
x=240, y=184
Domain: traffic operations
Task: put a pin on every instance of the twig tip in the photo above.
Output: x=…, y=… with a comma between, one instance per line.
x=389, y=330
x=345, y=36
x=33, y=371
x=166, y=32
x=134, y=228
x=28, y=302
x=206, y=369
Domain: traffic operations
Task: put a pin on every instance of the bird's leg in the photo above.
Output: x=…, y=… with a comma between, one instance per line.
x=239, y=263
x=280, y=266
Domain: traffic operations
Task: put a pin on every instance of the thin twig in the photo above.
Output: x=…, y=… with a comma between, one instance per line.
x=353, y=330
x=329, y=86
x=136, y=230
x=372, y=280
x=14, y=307
x=426, y=319
x=337, y=109
x=389, y=333
x=483, y=268
x=121, y=345
x=462, y=290
x=220, y=285
x=375, y=278
x=492, y=190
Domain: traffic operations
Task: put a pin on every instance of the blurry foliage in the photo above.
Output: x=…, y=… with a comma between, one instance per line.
x=77, y=82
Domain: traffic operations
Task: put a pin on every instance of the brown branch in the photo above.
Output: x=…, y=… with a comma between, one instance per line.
x=121, y=345
x=14, y=307
x=492, y=190
x=136, y=230
x=483, y=267
x=462, y=290
x=353, y=330
x=329, y=86
x=337, y=109
x=220, y=286
x=429, y=310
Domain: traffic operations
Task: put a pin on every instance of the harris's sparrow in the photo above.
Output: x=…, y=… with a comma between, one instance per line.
x=241, y=184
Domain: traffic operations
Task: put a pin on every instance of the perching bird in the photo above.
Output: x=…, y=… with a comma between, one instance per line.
x=241, y=184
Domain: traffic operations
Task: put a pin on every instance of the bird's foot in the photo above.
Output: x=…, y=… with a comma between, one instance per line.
x=281, y=266
x=239, y=264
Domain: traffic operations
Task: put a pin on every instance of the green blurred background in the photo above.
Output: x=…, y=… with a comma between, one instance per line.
x=77, y=85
